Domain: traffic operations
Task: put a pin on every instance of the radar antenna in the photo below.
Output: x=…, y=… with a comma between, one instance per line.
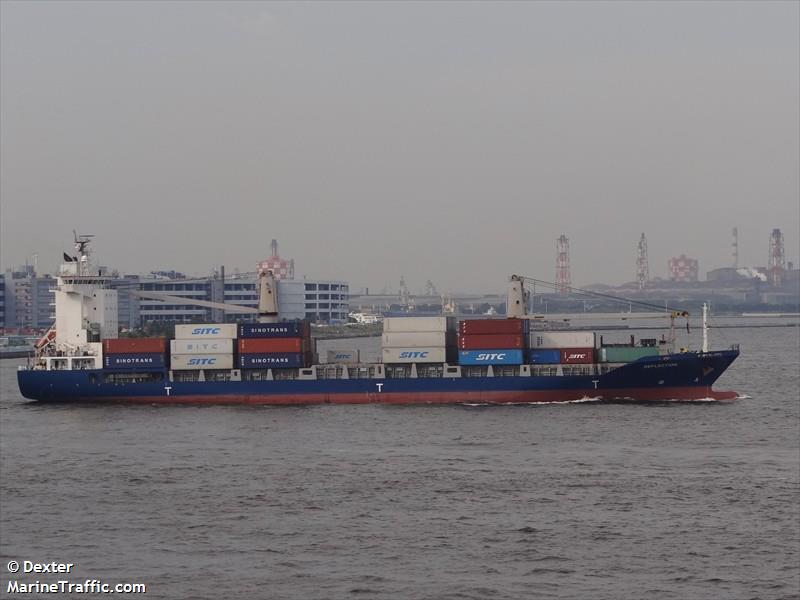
x=82, y=246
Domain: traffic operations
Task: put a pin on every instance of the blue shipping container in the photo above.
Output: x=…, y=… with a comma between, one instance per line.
x=544, y=357
x=273, y=330
x=143, y=360
x=490, y=357
x=271, y=360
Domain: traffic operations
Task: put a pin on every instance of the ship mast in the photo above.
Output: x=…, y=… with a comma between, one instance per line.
x=705, y=327
x=82, y=246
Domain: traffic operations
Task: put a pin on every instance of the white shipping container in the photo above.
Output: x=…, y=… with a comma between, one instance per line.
x=184, y=362
x=349, y=357
x=562, y=339
x=398, y=324
x=207, y=331
x=414, y=355
x=201, y=346
x=417, y=339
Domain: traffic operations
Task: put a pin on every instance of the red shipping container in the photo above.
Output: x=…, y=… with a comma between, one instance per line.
x=577, y=356
x=135, y=346
x=267, y=345
x=491, y=326
x=505, y=341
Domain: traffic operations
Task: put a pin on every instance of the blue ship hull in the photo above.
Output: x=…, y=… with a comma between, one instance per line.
x=685, y=376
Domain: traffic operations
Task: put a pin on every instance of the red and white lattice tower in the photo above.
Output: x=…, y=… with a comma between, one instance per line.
x=563, y=277
x=777, y=258
x=281, y=269
x=642, y=265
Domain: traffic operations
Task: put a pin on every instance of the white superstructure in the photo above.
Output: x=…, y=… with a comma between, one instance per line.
x=86, y=313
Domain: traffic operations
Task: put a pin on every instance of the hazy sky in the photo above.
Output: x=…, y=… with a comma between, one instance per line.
x=444, y=141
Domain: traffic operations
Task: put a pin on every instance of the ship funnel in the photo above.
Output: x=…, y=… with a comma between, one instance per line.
x=515, y=305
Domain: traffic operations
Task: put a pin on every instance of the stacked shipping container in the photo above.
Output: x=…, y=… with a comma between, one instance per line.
x=202, y=346
x=492, y=341
x=625, y=354
x=268, y=345
x=404, y=340
x=344, y=357
x=419, y=340
x=561, y=347
x=134, y=353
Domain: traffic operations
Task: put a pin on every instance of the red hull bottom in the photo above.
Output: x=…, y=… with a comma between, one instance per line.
x=522, y=397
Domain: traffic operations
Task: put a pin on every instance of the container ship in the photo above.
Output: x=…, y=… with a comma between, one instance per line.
x=431, y=359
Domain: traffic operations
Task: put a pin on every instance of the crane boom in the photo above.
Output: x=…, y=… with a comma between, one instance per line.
x=267, y=309
x=230, y=308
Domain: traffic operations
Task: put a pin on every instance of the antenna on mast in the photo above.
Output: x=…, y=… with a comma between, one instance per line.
x=82, y=246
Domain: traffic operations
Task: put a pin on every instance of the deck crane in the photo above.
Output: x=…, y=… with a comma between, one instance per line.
x=267, y=310
x=517, y=306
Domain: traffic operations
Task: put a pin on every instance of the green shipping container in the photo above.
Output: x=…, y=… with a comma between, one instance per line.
x=625, y=354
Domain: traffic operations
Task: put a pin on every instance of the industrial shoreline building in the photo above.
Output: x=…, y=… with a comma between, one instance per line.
x=321, y=301
x=28, y=303
x=27, y=299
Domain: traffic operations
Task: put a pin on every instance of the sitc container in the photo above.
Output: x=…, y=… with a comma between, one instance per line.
x=415, y=355
x=188, y=362
x=201, y=346
x=577, y=356
x=209, y=331
x=345, y=357
x=510, y=356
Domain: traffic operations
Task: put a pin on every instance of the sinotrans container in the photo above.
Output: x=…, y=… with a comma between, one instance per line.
x=275, y=330
x=272, y=360
x=138, y=361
